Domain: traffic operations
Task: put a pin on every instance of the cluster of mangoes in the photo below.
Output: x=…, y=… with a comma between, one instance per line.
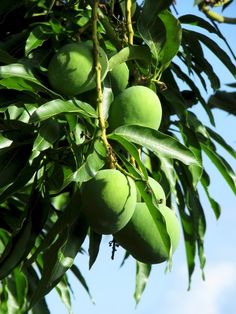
x=110, y=200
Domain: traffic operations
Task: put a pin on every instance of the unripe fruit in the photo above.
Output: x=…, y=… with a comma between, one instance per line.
x=119, y=76
x=157, y=191
x=137, y=105
x=71, y=70
x=141, y=238
x=108, y=200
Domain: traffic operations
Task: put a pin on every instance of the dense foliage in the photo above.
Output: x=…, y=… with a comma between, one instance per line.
x=51, y=143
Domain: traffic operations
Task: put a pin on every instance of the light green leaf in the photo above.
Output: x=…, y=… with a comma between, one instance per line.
x=173, y=39
x=36, y=38
x=75, y=270
x=142, y=274
x=130, y=53
x=132, y=150
x=157, y=142
x=222, y=165
x=22, y=72
x=58, y=106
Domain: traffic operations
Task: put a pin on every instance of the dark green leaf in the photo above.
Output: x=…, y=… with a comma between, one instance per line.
x=198, y=21
x=173, y=39
x=216, y=50
x=12, y=160
x=205, y=181
x=75, y=270
x=222, y=165
x=94, y=244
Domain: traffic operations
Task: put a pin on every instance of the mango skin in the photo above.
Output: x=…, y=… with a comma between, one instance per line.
x=71, y=69
x=119, y=76
x=108, y=201
x=141, y=238
x=137, y=105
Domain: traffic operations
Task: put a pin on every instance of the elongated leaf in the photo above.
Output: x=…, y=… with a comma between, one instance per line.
x=23, y=72
x=219, y=139
x=157, y=142
x=142, y=274
x=198, y=21
x=132, y=150
x=172, y=41
x=62, y=289
x=205, y=181
x=17, y=287
x=75, y=270
x=94, y=244
x=32, y=278
x=24, y=238
x=151, y=9
x=94, y=162
x=70, y=215
x=153, y=33
x=130, y=53
x=59, y=257
x=216, y=50
x=58, y=106
x=36, y=38
x=222, y=165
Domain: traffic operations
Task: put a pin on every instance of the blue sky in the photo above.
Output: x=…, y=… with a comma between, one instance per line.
x=112, y=287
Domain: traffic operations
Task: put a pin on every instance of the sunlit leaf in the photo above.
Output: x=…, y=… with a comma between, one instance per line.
x=142, y=274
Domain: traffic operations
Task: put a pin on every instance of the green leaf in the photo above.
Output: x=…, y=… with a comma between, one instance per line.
x=58, y=106
x=59, y=257
x=198, y=21
x=130, y=53
x=222, y=165
x=94, y=162
x=32, y=278
x=94, y=244
x=17, y=286
x=173, y=39
x=23, y=72
x=62, y=289
x=151, y=9
x=188, y=231
x=48, y=134
x=75, y=270
x=205, y=181
x=142, y=274
x=153, y=33
x=132, y=150
x=219, y=139
x=37, y=37
x=157, y=142
x=23, y=238
x=216, y=50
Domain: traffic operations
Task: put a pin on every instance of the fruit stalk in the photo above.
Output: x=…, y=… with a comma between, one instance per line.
x=102, y=122
x=129, y=21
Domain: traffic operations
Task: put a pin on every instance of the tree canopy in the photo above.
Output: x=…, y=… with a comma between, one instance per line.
x=53, y=141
